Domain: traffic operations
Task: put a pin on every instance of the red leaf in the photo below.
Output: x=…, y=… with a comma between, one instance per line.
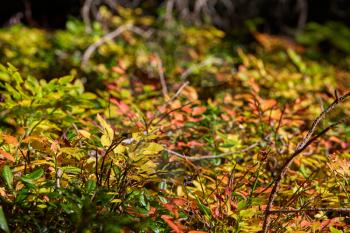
x=152, y=211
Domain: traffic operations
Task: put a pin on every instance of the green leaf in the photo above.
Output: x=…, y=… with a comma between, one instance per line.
x=296, y=59
x=205, y=210
x=27, y=181
x=66, y=79
x=248, y=213
x=71, y=170
x=35, y=174
x=241, y=204
x=3, y=221
x=142, y=200
x=90, y=186
x=8, y=176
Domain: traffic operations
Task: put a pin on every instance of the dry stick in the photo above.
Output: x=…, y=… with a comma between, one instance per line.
x=110, y=36
x=339, y=210
x=215, y=156
x=283, y=171
x=169, y=10
x=177, y=93
x=173, y=97
x=164, y=115
x=162, y=78
x=308, y=139
x=158, y=114
x=85, y=11
x=321, y=117
x=303, y=9
x=206, y=62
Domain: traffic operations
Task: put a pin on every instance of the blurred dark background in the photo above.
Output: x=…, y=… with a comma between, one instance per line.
x=276, y=16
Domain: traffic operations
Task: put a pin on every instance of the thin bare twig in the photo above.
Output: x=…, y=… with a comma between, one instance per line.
x=162, y=77
x=303, y=12
x=320, y=118
x=110, y=36
x=169, y=10
x=206, y=62
x=158, y=114
x=277, y=181
x=85, y=14
x=164, y=115
x=307, y=140
x=216, y=156
x=339, y=210
x=177, y=93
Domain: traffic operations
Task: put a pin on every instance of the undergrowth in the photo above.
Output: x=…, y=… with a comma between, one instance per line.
x=172, y=132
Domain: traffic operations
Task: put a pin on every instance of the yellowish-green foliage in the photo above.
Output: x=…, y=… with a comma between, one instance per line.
x=104, y=149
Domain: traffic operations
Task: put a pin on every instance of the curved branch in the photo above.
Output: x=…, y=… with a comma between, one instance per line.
x=110, y=36
x=85, y=14
x=307, y=140
x=338, y=210
x=219, y=155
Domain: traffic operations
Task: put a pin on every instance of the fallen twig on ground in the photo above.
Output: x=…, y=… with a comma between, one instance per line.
x=109, y=36
x=216, y=156
x=339, y=210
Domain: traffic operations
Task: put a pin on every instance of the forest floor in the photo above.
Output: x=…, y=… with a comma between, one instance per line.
x=173, y=128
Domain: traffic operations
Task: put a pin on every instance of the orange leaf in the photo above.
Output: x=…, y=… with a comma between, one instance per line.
x=225, y=117
x=118, y=70
x=179, y=201
x=34, y=138
x=192, y=119
x=10, y=139
x=7, y=155
x=267, y=104
x=171, y=224
x=187, y=109
x=198, y=110
x=194, y=143
x=172, y=209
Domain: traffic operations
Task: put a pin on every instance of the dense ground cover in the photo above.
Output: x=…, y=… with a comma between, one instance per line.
x=165, y=127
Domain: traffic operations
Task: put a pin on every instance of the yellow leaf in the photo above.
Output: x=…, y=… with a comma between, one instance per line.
x=152, y=148
x=107, y=131
x=248, y=213
x=106, y=140
x=198, y=186
x=116, y=201
x=119, y=149
x=149, y=166
x=42, y=206
x=85, y=133
x=180, y=192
